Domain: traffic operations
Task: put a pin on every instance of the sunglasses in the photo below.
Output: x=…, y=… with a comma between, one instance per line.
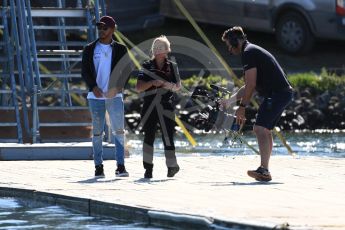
x=102, y=28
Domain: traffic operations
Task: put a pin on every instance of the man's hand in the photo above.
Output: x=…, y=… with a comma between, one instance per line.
x=157, y=83
x=97, y=91
x=112, y=92
x=240, y=115
x=168, y=85
x=224, y=104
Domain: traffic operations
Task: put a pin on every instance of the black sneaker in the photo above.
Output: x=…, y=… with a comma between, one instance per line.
x=121, y=171
x=261, y=174
x=99, y=172
x=172, y=171
x=148, y=173
x=148, y=170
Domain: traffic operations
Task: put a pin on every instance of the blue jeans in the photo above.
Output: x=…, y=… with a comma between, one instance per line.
x=115, y=108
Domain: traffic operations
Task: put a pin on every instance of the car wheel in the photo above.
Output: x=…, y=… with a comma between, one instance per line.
x=293, y=34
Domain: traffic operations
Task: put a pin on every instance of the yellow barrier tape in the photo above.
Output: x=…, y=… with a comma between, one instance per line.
x=44, y=69
x=124, y=38
x=185, y=131
x=131, y=56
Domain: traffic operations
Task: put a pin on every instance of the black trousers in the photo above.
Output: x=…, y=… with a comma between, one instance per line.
x=161, y=114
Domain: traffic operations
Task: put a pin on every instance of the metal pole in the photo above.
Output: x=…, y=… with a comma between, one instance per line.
x=103, y=7
x=96, y=10
x=90, y=33
x=65, y=64
x=4, y=69
x=33, y=44
x=24, y=55
x=35, y=123
x=15, y=35
x=79, y=4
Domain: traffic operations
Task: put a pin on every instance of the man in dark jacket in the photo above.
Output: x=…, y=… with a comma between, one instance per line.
x=262, y=74
x=99, y=59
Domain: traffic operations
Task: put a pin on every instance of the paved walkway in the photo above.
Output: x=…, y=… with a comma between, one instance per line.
x=306, y=192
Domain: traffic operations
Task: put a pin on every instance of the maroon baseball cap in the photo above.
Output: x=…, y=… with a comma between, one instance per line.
x=106, y=21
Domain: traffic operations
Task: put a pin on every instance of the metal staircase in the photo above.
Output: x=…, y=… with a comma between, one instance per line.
x=47, y=43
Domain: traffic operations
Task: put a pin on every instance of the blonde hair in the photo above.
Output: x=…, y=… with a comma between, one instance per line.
x=160, y=45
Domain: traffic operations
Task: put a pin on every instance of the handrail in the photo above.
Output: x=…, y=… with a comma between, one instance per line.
x=9, y=53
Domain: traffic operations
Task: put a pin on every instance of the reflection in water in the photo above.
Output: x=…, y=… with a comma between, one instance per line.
x=23, y=214
x=330, y=144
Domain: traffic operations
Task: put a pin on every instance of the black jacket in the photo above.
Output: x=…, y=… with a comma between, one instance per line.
x=88, y=71
x=168, y=73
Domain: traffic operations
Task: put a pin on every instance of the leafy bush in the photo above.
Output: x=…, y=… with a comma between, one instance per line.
x=211, y=79
x=191, y=81
x=318, y=83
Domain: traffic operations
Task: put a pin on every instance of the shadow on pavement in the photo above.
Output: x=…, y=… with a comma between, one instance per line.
x=245, y=183
x=96, y=180
x=150, y=181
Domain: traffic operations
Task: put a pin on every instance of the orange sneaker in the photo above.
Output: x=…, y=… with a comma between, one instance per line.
x=261, y=174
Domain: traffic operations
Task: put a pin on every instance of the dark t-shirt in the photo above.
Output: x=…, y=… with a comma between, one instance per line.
x=167, y=73
x=270, y=76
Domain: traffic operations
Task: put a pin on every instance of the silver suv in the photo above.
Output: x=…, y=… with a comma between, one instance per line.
x=296, y=23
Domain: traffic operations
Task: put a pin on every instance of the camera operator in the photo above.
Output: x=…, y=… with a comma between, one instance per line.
x=262, y=74
x=158, y=79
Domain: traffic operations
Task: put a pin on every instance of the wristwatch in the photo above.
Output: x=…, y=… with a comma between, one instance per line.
x=242, y=105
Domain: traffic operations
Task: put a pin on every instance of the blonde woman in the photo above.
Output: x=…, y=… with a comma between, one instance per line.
x=157, y=81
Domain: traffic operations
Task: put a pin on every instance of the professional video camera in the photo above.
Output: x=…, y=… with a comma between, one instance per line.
x=207, y=103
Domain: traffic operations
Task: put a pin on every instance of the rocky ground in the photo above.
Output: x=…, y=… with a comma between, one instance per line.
x=323, y=111
x=307, y=111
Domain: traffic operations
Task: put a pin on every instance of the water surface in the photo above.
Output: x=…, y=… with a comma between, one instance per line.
x=23, y=214
x=318, y=143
